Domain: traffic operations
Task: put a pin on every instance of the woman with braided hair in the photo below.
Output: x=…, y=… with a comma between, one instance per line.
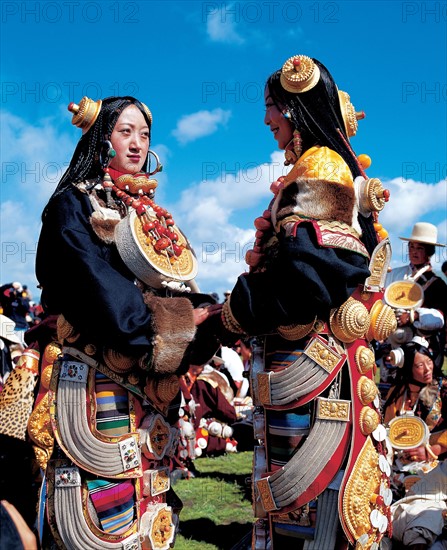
x=117, y=273
x=311, y=300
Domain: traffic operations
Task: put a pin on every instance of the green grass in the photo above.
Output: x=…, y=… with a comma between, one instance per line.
x=217, y=510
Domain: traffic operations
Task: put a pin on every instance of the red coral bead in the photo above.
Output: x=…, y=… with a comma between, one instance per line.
x=170, y=221
x=162, y=244
x=148, y=227
x=177, y=249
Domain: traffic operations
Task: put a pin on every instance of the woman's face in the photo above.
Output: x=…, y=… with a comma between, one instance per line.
x=130, y=139
x=281, y=127
x=422, y=370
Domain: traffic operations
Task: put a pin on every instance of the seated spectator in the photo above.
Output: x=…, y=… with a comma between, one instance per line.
x=420, y=391
x=212, y=415
x=418, y=518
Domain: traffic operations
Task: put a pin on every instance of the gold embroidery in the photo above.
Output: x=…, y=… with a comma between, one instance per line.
x=333, y=409
x=295, y=332
x=378, y=266
x=323, y=355
x=265, y=492
x=364, y=359
x=264, y=394
x=41, y=432
x=366, y=390
x=363, y=481
x=369, y=420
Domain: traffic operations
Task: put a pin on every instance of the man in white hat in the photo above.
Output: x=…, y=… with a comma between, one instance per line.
x=428, y=319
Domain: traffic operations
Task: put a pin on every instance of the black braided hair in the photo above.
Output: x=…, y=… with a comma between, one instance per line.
x=316, y=114
x=85, y=161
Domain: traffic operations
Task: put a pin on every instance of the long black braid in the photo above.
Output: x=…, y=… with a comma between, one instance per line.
x=85, y=161
x=316, y=114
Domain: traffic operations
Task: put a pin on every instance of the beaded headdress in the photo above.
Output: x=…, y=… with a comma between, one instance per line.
x=86, y=113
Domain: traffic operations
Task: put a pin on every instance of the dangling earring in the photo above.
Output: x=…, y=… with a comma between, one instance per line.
x=297, y=143
x=106, y=154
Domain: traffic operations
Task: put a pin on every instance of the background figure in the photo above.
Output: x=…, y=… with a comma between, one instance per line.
x=419, y=390
x=213, y=413
x=14, y=300
x=10, y=346
x=427, y=319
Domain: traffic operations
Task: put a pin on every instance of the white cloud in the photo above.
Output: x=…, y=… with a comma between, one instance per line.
x=200, y=124
x=34, y=157
x=221, y=26
x=205, y=211
x=410, y=202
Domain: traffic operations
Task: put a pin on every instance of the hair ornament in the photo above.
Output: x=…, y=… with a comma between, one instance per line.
x=85, y=114
x=148, y=112
x=299, y=74
x=350, y=116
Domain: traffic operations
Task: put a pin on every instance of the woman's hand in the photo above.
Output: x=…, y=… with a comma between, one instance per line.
x=201, y=314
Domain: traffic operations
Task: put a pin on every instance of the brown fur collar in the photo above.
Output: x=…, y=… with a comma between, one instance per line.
x=103, y=220
x=173, y=324
x=317, y=199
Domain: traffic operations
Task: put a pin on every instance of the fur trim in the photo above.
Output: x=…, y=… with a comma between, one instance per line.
x=104, y=228
x=317, y=199
x=173, y=324
x=103, y=220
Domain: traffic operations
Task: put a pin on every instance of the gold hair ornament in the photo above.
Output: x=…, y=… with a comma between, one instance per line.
x=86, y=113
x=350, y=116
x=299, y=74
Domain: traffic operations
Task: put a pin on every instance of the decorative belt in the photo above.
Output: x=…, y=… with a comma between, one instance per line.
x=328, y=437
x=116, y=457
x=303, y=380
x=72, y=526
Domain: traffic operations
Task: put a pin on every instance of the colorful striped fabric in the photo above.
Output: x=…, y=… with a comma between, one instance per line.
x=114, y=504
x=112, y=417
x=287, y=429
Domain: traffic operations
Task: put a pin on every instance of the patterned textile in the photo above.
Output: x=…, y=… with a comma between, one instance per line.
x=114, y=504
x=288, y=429
x=112, y=417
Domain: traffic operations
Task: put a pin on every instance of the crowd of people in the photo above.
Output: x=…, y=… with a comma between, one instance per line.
x=123, y=382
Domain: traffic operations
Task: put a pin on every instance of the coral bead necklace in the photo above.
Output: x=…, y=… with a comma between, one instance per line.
x=160, y=231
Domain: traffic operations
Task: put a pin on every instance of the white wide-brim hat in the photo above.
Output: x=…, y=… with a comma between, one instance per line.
x=425, y=233
x=7, y=330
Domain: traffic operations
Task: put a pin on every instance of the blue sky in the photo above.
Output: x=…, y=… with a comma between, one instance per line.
x=201, y=68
